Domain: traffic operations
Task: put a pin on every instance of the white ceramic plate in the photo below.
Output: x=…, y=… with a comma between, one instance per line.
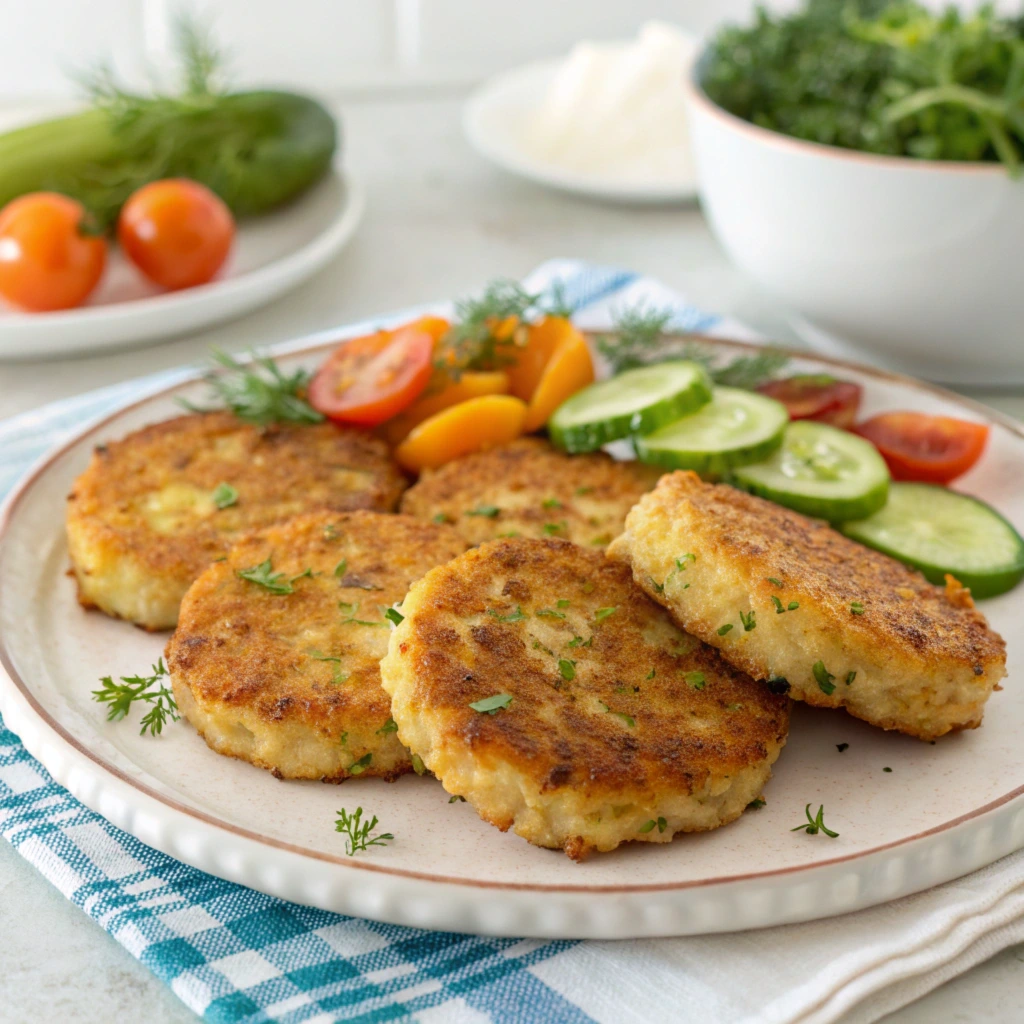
x=942, y=811
x=495, y=122
x=272, y=254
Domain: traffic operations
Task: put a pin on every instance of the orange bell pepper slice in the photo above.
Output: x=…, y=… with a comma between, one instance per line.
x=470, y=426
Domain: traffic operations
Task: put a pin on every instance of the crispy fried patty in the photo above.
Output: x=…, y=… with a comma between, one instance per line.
x=143, y=520
x=788, y=599
x=530, y=489
x=613, y=725
x=290, y=680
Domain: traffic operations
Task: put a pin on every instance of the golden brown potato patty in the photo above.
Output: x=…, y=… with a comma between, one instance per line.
x=154, y=509
x=789, y=599
x=529, y=489
x=602, y=722
x=285, y=673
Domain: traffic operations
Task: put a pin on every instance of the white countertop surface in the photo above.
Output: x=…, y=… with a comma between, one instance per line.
x=439, y=223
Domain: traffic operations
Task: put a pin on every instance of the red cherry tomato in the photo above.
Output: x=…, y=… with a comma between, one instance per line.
x=916, y=446
x=369, y=380
x=48, y=260
x=817, y=396
x=177, y=232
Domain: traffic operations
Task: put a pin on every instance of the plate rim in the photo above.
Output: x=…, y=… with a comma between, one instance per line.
x=513, y=160
x=317, y=342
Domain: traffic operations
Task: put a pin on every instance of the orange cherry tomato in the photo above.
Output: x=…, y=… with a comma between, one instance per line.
x=368, y=380
x=916, y=446
x=48, y=259
x=176, y=231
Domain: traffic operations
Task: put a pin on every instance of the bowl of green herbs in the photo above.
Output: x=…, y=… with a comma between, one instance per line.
x=863, y=160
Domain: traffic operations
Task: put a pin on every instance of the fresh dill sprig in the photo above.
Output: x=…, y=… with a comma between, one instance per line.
x=640, y=340
x=816, y=824
x=275, y=582
x=121, y=696
x=357, y=832
x=266, y=397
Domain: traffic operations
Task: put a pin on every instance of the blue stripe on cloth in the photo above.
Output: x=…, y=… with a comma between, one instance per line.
x=232, y=954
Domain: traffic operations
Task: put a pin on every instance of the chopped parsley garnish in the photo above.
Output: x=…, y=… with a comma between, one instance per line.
x=733, y=707
x=580, y=491
x=439, y=518
x=394, y=615
x=757, y=804
x=825, y=679
x=749, y=620
x=341, y=568
x=856, y=608
x=816, y=824
x=649, y=826
x=551, y=503
x=658, y=588
x=121, y=696
x=774, y=582
x=886, y=769
x=793, y=605
x=225, y=496
x=487, y=511
x=360, y=766
x=651, y=674
x=417, y=764
x=550, y=529
x=578, y=641
x=602, y=613
x=683, y=559
x=778, y=605
x=722, y=630
x=260, y=398
x=456, y=799
x=695, y=679
x=549, y=613
x=352, y=609
x=628, y=719
x=275, y=582
x=515, y=616
x=567, y=669
x=492, y=705
x=337, y=676
x=357, y=832
x=330, y=532
x=842, y=746
x=602, y=541
x=389, y=726
x=850, y=676
x=562, y=602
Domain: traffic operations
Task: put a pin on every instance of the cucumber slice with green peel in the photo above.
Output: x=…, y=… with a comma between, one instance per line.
x=736, y=427
x=821, y=472
x=635, y=402
x=940, y=531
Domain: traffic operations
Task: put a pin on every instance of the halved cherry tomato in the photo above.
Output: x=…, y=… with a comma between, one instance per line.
x=916, y=446
x=48, y=259
x=368, y=380
x=176, y=231
x=817, y=396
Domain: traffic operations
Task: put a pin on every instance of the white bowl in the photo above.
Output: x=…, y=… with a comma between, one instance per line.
x=913, y=265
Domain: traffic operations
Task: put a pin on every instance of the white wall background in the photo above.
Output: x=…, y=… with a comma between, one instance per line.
x=328, y=45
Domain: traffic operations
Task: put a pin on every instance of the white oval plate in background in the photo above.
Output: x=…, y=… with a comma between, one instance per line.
x=944, y=809
x=496, y=118
x=272, y=253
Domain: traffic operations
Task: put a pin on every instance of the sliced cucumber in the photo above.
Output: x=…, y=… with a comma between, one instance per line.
x=821, y=472
x=734, y=428
x=940, y=531
x=635, y=402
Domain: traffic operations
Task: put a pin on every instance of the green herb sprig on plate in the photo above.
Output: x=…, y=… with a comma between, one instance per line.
x=149, y=690
x=357, y=831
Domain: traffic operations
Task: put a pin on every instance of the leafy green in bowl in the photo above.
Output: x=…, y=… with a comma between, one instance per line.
x=879, y=76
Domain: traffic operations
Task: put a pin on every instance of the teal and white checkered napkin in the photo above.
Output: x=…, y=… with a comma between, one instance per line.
x=235, y=955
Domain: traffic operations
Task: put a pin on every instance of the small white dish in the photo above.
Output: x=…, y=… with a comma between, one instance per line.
x=942, y=812
x=496, y=120
x=272, y=254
